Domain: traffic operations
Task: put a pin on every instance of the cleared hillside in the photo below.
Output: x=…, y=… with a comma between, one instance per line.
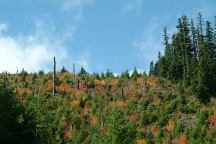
x=105, y=109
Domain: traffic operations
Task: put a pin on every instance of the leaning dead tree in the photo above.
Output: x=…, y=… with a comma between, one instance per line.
x=54, y=76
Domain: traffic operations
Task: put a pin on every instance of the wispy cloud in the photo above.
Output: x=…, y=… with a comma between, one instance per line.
x=150, y=44
x=32, y=52
x=83, y=60
x=76, y=7
x=132, y=6
x=139, y=71
x=3, y=27
x=35, y=51
x=71, y=4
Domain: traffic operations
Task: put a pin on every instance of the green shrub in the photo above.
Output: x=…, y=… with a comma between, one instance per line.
x=130, y=106
x=163, y=118
x=148, y=117
x=202, y=118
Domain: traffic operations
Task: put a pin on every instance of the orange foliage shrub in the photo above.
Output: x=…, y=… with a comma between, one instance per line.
x=213, y=121
x=170, y=126
x=119, y=104
x=62, y=88
x=68, y=134
x=49, y=88
x=156, y=101
x=114, y=84
x=61, y=77
x=131, y=91
x=99, y=90
x=28, y=91
x=141, y=141
x=155, y=130
x=182, y=139
x=175, y=141
x=99, y=82
x=94, y=120
x=74, y=103
x=133, y=117
x=209, y=132
x=77, y=94
x=141, y=82
x=164, y=140
x=86, y=111
x=151, y=82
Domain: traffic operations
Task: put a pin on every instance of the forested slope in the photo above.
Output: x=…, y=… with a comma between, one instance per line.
x=175, y=103
x=190, y=56
x=104, y=109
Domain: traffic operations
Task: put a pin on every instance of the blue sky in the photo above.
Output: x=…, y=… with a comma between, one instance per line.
x=96, y=34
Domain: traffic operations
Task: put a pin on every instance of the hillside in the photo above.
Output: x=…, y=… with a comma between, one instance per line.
x=92, y=108
x=175, y=103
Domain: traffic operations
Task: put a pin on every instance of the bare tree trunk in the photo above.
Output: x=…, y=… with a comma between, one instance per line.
x=78, y=81
x=122, y=90
x=54, y=76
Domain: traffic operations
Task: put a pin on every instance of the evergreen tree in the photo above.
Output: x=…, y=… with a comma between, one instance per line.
x=194, y=39
x=102, y=76
x=200, y=27
x=165, y=61
x=125, y=75
x=210, y=58
x=190, y=57
x=18, y=124
x=188, y=51
x=119, y=131
x=151, y=71
x=109, y=74
x=194, y=64
x=176, y=67
x=63, y=70
x=156, y=69
x=82, y=71
x=135, y=74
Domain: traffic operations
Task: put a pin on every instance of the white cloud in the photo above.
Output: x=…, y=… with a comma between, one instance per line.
x=3, y=27
x=139, y=71
x=76, y=7
x=83, y=60
x=116, y=74
x=35, y=51
x=28, y=52
x=132, y=6
x=151, y=43
x=71, y=4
